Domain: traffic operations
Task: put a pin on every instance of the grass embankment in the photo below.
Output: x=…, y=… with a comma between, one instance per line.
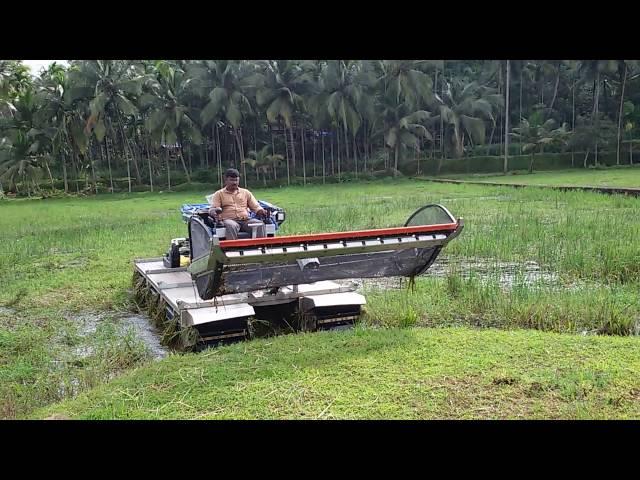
x=624, y=177
x=374, y=374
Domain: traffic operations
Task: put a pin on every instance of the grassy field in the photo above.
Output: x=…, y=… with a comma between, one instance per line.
x=626, y=176
x=553, y=261
x=455, y=373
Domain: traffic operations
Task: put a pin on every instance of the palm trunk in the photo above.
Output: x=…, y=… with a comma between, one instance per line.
x=238, y=135
x=234, y=149
x=397, y=148
x=189, y=157
x=347, y=154
x=304, y=168
x=184, y=165
x=135, y=165
x=506, y=124
x=146, y=143
x=333, y=164
x=293, y=152
x=440, y=161
x=573, y=117
x=624, y=80
x=432, y=150
x=315, y=147
x=441, y=119
x=500, y=92
x=242, y=155
x=108, y=153
x=273, y=152
x=255, y=148
x=338, y=149
x=214, y=146
x=493, y=129
x=93, y=170
x=86, y=174
x=219, y=155
x=166, y=153
x=77, y=173
x=531, y=164
x=365, y=142
x=355, y=154
x=555, y=89
x=323, y=162
x=520, y=116
x=46, y=164
x=286, y=148
x=596, y=102
x=64, y=173
x=124, y=143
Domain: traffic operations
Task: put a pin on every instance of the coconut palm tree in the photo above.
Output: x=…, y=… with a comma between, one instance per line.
x=464, y=108
x=536, y=134
x=286, y=83
x=408, y=80
x=264, y=161
x=402, y=126
x=341, y=94
x=595, y=70
x=169, y=118
x=111, y=87
x=229, y=98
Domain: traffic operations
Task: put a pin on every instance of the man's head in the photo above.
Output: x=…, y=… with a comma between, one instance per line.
x=231, y=179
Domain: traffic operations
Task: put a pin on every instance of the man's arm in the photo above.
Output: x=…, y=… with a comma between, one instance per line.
x=216, y=202
x=255, y=206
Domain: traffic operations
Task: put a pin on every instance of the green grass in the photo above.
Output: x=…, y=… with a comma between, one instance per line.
x=458, y=373
x=626, y=176
x=67, y=256
x=456, y=301
x=86, y=246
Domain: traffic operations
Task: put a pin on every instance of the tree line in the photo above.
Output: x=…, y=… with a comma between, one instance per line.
x=101, y=122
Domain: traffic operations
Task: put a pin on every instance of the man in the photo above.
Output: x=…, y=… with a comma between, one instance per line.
x=235, y=203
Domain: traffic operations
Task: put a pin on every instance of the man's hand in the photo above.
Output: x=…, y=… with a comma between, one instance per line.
x=214, y=212
x=262, y=213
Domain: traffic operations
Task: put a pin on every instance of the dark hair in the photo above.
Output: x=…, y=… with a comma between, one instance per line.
x=232, y=172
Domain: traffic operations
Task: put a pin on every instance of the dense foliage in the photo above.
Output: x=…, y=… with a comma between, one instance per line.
x=117, y=124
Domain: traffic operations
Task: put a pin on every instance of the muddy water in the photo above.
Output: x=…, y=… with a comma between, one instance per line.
x=125, y=322
x=507, y=274
x=147, y=333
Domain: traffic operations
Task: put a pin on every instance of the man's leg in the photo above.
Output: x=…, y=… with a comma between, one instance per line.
x=232, y=227
x=261, y=231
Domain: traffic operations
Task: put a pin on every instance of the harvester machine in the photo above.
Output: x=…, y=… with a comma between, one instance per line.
x=208, y=289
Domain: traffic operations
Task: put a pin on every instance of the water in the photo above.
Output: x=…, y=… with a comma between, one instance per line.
x=507, y=274
x=125, y=322
x=145, y=332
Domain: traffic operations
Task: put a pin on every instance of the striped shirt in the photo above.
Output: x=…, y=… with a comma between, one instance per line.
x=235, y=205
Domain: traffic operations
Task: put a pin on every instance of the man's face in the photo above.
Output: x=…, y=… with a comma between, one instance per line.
x=231, y=183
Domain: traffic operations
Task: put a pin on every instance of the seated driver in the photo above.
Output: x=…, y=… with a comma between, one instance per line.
x=235, y=203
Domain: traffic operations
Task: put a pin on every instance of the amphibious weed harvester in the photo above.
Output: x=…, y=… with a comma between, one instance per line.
x=207, y=289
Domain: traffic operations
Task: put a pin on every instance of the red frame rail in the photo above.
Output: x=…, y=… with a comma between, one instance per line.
x=321, y=237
